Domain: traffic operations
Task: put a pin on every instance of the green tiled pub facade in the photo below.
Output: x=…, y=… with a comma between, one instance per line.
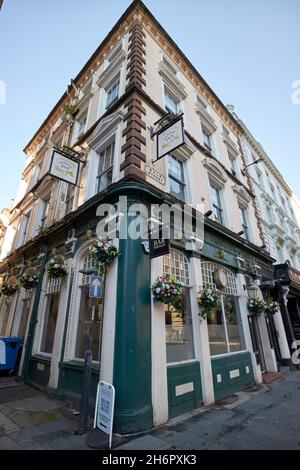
x=156, y=377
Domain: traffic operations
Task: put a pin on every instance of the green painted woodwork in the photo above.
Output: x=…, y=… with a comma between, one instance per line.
x=70, y=383
x=132, y=358
x=179, y=375
x=32, y=323
x=222, y=367
x=38, y=371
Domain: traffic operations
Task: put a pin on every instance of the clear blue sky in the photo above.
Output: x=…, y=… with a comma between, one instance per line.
x=247, y=50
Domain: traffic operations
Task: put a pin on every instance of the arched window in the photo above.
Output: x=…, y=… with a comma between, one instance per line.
x=84, y=302
x=208, y=277
x=225, y=329
x=176, y=265
x=179, y=329
x=52, y=300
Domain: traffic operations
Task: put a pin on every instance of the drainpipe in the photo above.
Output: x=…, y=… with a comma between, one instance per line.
x=33, y=319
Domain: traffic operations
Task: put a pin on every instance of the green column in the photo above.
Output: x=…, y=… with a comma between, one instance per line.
x=132, y=358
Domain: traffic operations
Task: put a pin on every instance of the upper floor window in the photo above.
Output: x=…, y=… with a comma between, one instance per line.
x=70, y=196
x=201, y=103
x=114, y=54
x=283, y=203
x=270, y=214
x=105, y=168
x=24, y=228
x=45, y=211
x=112, y=93
x=207, y=139
x=80, y=125
x=172, y=104
x=260, y=179
x=217, y=204
x=170, y=67
x=244, y=221
x=176, y=177
x=225, y=131
x=272, y=191
x=233, y=164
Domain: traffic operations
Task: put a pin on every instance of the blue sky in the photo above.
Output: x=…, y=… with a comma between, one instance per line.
x=247, y=50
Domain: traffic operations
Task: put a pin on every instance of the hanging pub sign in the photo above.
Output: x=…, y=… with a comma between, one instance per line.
x=170, y=138
x=159, y=247
x=64, y=167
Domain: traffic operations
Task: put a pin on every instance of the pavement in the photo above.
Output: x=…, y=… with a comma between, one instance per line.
x=263, y=418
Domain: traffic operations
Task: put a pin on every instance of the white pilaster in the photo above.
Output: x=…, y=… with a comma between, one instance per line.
x=159, y=354
x=59, y=329
x=270, y=358
x=200, y=331
x=243, y=297
x=109, y=322
x=282, y=340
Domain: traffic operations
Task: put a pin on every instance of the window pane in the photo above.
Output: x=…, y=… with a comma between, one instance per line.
x=179, y=331
x=105, y=179
x=24, y=317
x=206, y=140
x=83, y=326
x=177, y=189
x=216, y=332
x=234, y=324
x=171, y=104
x=5, y=315
x=50, y=322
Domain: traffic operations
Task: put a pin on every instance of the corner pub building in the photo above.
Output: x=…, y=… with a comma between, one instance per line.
x=161, y=364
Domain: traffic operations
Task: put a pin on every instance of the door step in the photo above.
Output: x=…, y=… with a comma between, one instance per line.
x=269, y=377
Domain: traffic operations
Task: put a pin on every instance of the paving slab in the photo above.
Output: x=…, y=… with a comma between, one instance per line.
x=147, y=442
x=7, y=425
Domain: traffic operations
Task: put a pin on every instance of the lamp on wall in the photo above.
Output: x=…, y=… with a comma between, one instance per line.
x=252, y=290
x=253, y=163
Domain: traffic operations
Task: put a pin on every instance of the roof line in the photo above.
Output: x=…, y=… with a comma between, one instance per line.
x=131, y=7
x=86, y=65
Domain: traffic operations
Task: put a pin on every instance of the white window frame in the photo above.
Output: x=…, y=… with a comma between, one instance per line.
x=101, y=149
x=219, y=207
x=71, y=337
x=172, y=95
x=185, y=280
x=244, y=217
x=49, y=287
x=173, y=177
x=207, y=270
x=112, y=86
x=210, y=133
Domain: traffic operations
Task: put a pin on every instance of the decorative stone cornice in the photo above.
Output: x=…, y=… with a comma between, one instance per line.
x=171, y=81
x=206, y=118
x=104, y=127
x=232, y=146
x=242, y=195
x=112, y=69
x=216, y=173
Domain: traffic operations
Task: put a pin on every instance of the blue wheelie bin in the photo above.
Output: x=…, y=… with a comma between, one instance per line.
x=10, y=353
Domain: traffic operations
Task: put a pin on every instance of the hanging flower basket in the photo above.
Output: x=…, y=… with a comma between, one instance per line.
x=30, y=279
x=208, y=298
x=103, y=252
x=10, y=287
x=256, y=306
x=167, y=290
x=271, y=307
x=57, y=268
